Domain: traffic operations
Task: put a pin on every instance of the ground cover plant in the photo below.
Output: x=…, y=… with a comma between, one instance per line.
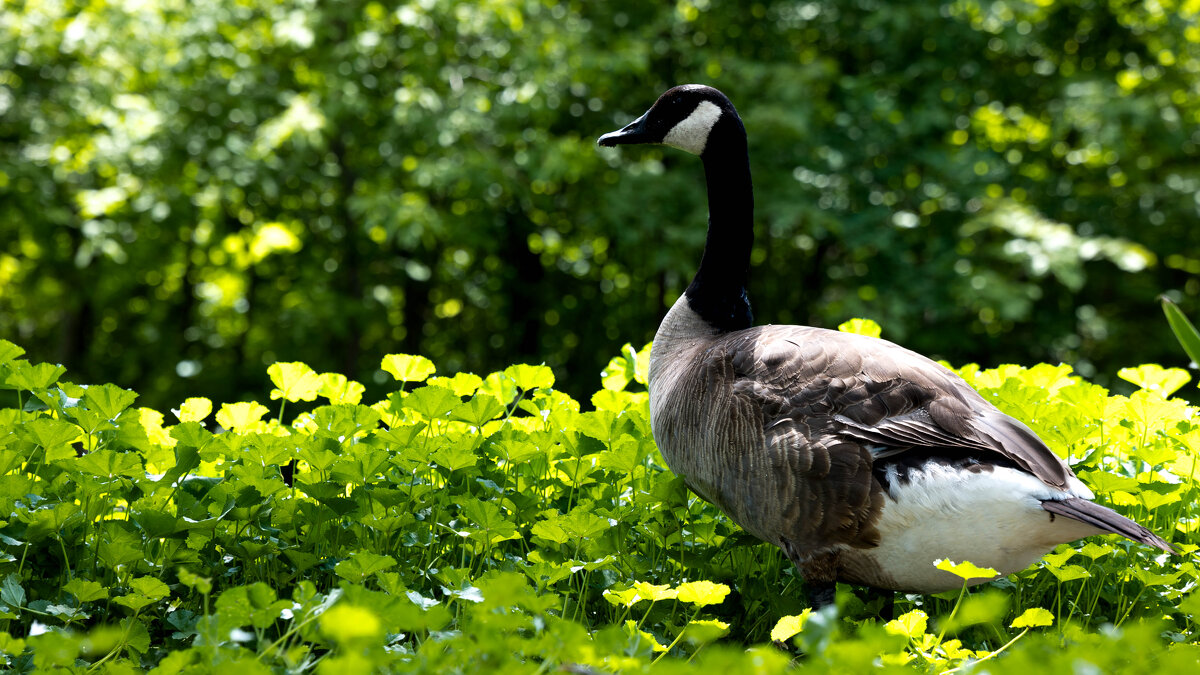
x=472, y=523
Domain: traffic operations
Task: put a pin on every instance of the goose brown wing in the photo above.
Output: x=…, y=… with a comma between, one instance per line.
x=840, y=387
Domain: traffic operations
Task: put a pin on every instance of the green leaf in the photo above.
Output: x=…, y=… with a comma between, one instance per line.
x=432, y=401
x=109, y=464
x=294, y=382
x=463, y=384
x=9, y=351
x=150, y=587
x=241, y=416
x=1068, y=572
x=1185, y=332
x=194, y=409
x=11, y=592
x=1155, y=378
x=643, y=638
x=966, y=570
x=363, y=564
x=108, y=400
x=704, y=631
x=49, y=433
x=528, y=377
x=789, y=626
x=1032, y=617
x=454, y=456
x=340, y=389
x=85, y=590
x=407, y=367
x=702, y=593
x=911, y=625
x=24, y=375
x=861, y=327
x=482, y=408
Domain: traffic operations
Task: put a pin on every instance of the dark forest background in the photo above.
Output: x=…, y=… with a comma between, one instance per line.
x=192, y=191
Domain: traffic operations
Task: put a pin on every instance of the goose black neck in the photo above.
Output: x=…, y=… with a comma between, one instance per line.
x=718, y=291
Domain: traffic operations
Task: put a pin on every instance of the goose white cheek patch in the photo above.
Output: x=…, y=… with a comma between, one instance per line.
x=691, y=135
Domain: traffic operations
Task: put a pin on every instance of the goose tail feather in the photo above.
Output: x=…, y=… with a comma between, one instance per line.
x=1106, y=519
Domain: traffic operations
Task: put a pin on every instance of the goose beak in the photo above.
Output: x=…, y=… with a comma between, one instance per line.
x=634, y=132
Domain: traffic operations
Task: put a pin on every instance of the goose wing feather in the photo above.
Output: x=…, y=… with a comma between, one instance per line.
x=843, y=389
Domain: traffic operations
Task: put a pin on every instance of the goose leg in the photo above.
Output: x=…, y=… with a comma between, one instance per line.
x=821, y=593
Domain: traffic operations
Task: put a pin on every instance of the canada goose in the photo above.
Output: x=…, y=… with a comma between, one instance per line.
x=864, y=461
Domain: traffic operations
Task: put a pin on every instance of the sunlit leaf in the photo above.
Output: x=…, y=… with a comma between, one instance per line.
x=865, y=327
x=966, y=570
x=702, y=593
x=407, y=367
x=1033, y=617
x=789, y=626
x=294, y=382
x=911, y=624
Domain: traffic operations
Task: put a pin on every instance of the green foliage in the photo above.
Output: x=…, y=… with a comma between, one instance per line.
x=191, y=192
x=490, y=522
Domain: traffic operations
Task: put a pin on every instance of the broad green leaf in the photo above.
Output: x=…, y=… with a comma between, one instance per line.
x=1185, y=332
x=150, y=587
x=340, y=389
x=407, y=367
x=1033, y=617
x=11, y=592
x=194, y=409
x=1069, y=572
x=619, y=371
x=643, y=637
x=482, y=408
x=9, y=351
x=294, y=382
x=431, y=401
x=463, y=384
x=241, y=416
x=1155, y=378
x=626, y=598
x=454, y=456
x=702, y=593
x=363, y=564
x=704, y=631
x=528, y=377
x=966, y=570
x=911, y=625
x=108, y=463
x=861, y=327
x=48, y=432
x=108, y=399
x=85, y=590
x=789, y=626
x=24, y=375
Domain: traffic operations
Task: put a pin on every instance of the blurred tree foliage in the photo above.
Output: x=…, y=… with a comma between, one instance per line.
x=199, y=189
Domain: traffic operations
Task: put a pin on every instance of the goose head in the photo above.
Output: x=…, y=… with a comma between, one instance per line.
x=684, y=117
